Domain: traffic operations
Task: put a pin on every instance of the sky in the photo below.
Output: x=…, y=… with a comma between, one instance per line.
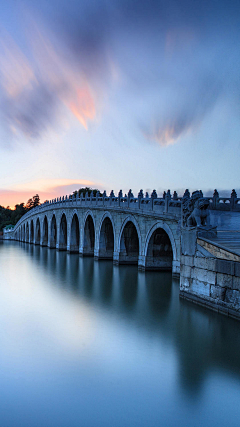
x=118, y=94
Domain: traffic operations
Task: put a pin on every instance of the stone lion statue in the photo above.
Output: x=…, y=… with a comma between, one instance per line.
x=195, y=210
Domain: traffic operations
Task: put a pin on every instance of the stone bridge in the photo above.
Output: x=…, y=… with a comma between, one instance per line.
x=126, y=229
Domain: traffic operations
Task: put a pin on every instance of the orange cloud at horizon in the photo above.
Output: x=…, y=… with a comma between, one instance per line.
x=46, y=189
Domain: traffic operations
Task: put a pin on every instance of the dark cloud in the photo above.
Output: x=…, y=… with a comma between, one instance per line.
x=32, y=112
x=185, y=108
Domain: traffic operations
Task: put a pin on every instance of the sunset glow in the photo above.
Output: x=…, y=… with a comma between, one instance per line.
x=83, y=108
x=93, y=95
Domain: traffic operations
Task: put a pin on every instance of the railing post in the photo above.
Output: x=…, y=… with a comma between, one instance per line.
x=111, y=197
x=120, y=194
x=140, y=196
x=153, y=196
x=130, y=196
x=167, y=199
x=233, y=199
x=215, y=199
x=104, y=195
x=175, y=195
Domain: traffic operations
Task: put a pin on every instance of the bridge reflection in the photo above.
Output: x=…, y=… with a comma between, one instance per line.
x=148, y=303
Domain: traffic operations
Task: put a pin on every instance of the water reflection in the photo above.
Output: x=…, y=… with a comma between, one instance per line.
x=201, y=337
x=116, y=322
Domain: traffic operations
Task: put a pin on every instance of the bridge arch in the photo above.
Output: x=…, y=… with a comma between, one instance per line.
x=160, y=247
x=74, y=233
x=53, y=232
x=106, y=237
x=63, y=232
x=38, y=232
x=129, y=243
x=31, y=231
x=27, y=233
x=45, y=231
x=23, y=235
x=89, y=234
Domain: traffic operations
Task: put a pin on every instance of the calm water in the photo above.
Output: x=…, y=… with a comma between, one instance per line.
x=88, y=344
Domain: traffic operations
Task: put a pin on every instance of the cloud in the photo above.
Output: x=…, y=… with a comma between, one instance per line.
x=35, y=97
x=174, y=58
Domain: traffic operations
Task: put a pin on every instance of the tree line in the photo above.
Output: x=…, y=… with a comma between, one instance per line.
x=87, y=190
x=12, y=216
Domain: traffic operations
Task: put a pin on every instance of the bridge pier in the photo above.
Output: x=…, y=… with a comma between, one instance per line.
x=176, y=269
x=116, y=258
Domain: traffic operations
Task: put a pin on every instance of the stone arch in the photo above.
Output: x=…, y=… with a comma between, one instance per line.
x=27, y=232
x=24, y=236
x=31, y=231
x=45, y=231
x=129, y=244
x=53, y=232
x=160, y=247
x=89, y=234
x=63, y=233
x=38, y=232
x=74, y=233
x=106, y=237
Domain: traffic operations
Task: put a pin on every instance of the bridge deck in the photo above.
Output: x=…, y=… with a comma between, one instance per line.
x=229, y=240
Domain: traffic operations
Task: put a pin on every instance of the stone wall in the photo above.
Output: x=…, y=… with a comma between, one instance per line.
x=208, y=280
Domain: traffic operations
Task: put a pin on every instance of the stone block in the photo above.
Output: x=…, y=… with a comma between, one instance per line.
x=187, y=260
x=206, y=263
x=237, y=269
x=225, y=266
x=176, y=267
x=185, y=271
x=204, y=275
x=199, y=274
x=211, y=264
x=200, y=262
x=184, y=282
x=188, y=242
x=217, y=292
x=200, y=288
x=211, y=277
x=224, y=280
x=236, y=283
x=233, y=297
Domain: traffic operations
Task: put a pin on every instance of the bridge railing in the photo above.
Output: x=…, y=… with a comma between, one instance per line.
x=167, y=204
x=144, y=204
x=224, y=203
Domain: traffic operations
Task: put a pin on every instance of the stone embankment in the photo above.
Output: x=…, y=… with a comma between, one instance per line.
x=209, y=273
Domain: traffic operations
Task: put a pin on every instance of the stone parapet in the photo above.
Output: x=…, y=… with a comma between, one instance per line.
x=207, y=280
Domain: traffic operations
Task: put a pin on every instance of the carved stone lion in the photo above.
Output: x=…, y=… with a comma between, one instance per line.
x=196, y=210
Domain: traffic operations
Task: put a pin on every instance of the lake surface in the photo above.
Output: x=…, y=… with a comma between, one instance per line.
x=86, y=343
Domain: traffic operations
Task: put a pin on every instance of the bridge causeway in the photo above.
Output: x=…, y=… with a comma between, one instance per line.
x=156, y=233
